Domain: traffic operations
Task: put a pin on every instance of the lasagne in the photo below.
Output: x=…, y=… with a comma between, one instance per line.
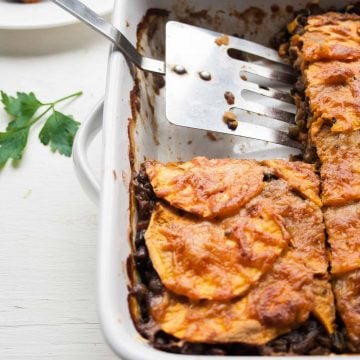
x=326, y=52
x=240, y=257
x=231, y=252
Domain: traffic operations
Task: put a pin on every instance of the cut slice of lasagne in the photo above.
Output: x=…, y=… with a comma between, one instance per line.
x=238, y=247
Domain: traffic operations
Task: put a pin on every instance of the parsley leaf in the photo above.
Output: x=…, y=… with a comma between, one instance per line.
x=59, y=131
x=12, y=144
x=22, y=108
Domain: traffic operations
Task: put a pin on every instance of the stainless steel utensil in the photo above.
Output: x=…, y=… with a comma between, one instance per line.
x=209, y=74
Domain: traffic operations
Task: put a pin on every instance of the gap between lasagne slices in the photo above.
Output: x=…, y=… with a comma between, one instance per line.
x=218, y=271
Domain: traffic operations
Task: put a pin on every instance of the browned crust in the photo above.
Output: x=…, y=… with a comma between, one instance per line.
x=339, y=154
x=206, y=187
x=170, y=244
x=343, y=228
x=283, y=298
x=327, y=53
x=347, y=293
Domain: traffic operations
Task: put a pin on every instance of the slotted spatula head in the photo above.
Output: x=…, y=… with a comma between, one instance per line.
x=208, y=76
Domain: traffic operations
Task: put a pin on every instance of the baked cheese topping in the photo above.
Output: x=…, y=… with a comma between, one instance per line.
x=303, y=220
x=330, y=36
x=283, y=299
x=213, y=260
x=329, y=56
x=324, y=308
x=334, y=92
x=204, y=187
x=343, y=228
x=329, y=59
x=299, y=175
x=246, y=276
x=347, y=293
x=339, y=154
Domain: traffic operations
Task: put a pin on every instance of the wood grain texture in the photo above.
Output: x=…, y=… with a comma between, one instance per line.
x=48, y=226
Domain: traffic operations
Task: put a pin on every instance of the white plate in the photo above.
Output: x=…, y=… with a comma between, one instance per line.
x=45, y=14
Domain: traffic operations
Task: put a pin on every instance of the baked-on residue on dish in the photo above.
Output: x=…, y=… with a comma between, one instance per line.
x=326, y=53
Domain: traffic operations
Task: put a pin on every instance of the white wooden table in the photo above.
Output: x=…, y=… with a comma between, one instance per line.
x=48, y=226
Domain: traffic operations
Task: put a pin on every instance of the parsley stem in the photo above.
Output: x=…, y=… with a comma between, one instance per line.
x=79, y=93
x=51, y=106
x=40, y=116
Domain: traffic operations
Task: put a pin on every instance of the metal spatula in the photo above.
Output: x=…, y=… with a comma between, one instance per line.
x=209, y=74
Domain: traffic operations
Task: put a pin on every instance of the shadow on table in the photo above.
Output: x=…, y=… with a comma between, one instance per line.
x=46, y=41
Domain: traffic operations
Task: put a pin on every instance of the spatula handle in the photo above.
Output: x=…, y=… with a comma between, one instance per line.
x=89, y=17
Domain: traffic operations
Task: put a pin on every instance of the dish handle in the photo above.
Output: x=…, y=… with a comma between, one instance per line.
x=86, y=133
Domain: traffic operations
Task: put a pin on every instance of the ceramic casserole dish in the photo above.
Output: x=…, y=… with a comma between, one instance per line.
x=128, y=139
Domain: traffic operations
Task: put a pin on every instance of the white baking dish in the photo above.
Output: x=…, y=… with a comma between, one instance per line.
x=154, y=138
